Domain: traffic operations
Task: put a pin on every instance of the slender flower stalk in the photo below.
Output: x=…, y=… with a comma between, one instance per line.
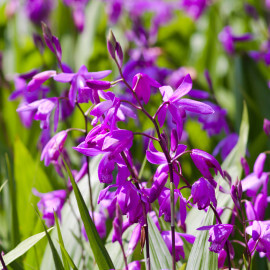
x=2, y=262
x=226, y=244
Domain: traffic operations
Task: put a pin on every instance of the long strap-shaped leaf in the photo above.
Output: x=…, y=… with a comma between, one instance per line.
x=23, y=247
x=61, y=242
x=100, y=253
x=57, y=261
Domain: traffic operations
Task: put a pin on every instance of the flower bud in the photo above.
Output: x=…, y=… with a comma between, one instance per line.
x=111, y=44
x=174, y=140
x=119, y=54
x=234, y=195
x=266, y=126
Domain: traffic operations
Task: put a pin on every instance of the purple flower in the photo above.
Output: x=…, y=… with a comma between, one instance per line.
x=142, y=86
x=42, y=109
x=178, y=106
x=226, y=145
x=227, y=38
x=263, y=54
x=78, y=80
x=155, y=157
x=252, y=182
x=194, y=8
x=134, y=266
x=112, y=109
x=117, y=226
x=39, y=79
x=49, y=203
x=53, y=148
x=100, y=223
x=260, y=232
x=266, y=126
x=203, y=193
x=257, y=211
x=218, y=235
x=38, y=10
x=179, y=244
x=78, y=12
x=216, y=122
x=204, y=161
x=134, y=239
x=164, y=202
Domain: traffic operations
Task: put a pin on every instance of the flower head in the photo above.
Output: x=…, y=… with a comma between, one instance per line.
x=53, y=148
x=78, y=80
x=227, y=38
x=203, y=193
x=49, y=203
x=142, y=86
x=41, y=110
x=179, y=244
x=218, y=235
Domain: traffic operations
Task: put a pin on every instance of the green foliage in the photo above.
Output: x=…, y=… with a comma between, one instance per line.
x=23, y=247
x=101, y=255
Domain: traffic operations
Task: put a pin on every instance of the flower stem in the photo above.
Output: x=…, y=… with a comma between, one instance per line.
x=124, y=255
x=2, y=262
x=226, y=244
x=172, y=222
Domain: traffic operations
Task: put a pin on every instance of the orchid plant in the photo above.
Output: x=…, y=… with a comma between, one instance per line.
x=144, y=190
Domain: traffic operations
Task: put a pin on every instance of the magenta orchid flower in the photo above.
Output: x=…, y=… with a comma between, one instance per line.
x=203, y=193
x=252, y=182
x=78, y=80
x=228, y=39
x=179, y=244
x=218, y=235
x=49, y=203
x=54, y=148
x=177, y=106
x=142, y=86
x=42, y=110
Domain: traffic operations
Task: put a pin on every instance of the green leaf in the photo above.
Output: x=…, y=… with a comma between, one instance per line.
x=56, y=258
x=15, y=235
x=200, y=256
x=27, y=178
x=70, y=229
x=100, y=253
x=160, y=257
x=67, y=257
x=23, y=247
x=2, y=186
x=61, y=242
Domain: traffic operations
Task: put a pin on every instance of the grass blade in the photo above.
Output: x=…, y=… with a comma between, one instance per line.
x=56, y=258
x=61, y=242
x=23, y=247
x=67, y=257
x=100, y=253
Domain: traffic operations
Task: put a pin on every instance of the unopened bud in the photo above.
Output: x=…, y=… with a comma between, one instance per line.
x=266, y=126
x=119, y=54
x=38, y=42
x=174, y=140
x=111, y=44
